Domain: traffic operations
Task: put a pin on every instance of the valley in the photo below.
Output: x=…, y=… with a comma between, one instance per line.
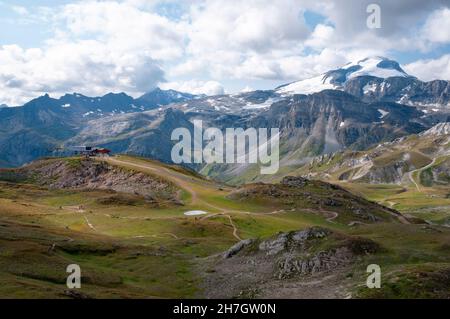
x=136, y=243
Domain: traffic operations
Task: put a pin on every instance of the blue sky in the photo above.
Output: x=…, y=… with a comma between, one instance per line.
x=206, y=46
x=12, y=31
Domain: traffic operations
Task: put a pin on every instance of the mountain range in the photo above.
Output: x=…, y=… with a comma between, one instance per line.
x=42, y=125
x=355, y=107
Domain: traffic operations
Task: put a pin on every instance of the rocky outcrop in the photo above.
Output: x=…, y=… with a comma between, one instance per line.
x=294, y=181
x=287, y=259
x=322, y=261
x=88, y=174
x=237, y=248
x=297, y=193
x=291, y=241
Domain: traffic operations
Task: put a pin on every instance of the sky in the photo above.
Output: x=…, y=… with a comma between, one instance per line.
x=207, y=46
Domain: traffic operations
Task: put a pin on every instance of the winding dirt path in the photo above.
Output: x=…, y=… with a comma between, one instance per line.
x=333, y=216
x=89, y=223
x=330, y=215
x=80, y=210
x=185, y=185
x=155, y=236
x=235, y=230
x=411, y=177
x=390, y=203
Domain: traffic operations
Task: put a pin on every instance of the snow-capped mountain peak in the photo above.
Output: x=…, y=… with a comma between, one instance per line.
x=375, y=66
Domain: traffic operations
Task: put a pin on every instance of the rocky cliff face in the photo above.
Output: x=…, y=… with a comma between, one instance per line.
x=430, y=96
x=325, y=123
x=332, y=120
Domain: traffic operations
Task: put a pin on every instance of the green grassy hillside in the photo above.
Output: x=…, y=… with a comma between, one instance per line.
x=137, y=242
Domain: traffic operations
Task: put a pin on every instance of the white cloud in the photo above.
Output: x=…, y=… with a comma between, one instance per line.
x=437, y=26
x=124, y=27
x=131, y=45
x=400, y=23
x=86, y=66
x=303, y=67
x=100, y=47
x=238, y=39
x=257, y=25
x=20, y=10
x=321, y=36
x=196, y=87
x=433, y=69
x=270, y=40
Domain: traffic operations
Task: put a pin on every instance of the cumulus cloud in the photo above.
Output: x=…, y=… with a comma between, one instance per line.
x=271, y=40
x=431, y=69
x=400, y=22
x=236, y=38
x=124, y=27
x=437, y=26
x=321, y=36
x=84, y=66
x=196, y=87
x=135, y=45
x=257, y=25
x=101, y=47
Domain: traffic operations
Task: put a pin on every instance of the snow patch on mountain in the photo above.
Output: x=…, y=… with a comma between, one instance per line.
x=309, y=86
x=217, y=105
x=370, y=88
x=383, y=113
x=264, y=105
